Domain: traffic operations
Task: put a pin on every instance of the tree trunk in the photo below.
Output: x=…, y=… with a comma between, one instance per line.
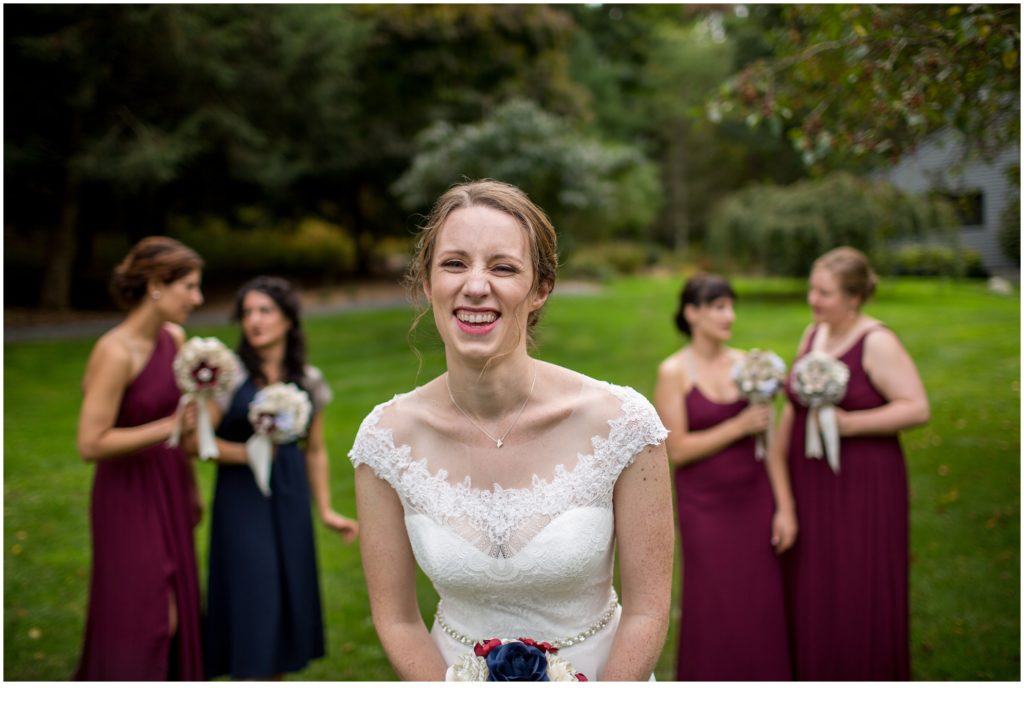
x=60, y=252
x=678, y=190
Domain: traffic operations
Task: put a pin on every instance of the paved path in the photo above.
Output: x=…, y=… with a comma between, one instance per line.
x=20, y=326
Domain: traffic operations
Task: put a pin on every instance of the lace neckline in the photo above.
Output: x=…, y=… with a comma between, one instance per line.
x=400, y=455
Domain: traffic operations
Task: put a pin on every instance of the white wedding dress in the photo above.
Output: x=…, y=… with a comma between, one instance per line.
x=533, y=556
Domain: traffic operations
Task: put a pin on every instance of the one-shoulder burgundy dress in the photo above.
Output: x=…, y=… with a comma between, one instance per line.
x=142, y=548
x=847, y=576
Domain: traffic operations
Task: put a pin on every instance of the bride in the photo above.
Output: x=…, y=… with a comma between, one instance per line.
x=509, y=480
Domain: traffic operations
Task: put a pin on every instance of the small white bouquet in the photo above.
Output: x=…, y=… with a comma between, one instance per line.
x=508, y=660
x=759, y=377
x=819, y=382
x=279, y=413
x=203, y=367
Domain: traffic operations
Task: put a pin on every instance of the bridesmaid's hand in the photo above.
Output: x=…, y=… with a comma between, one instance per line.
x=784, y=530
x=346, y=527
x=754, y=419
x=842, y=421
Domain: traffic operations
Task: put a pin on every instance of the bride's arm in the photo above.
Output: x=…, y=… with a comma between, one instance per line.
x=644, y=533
x=390, y=571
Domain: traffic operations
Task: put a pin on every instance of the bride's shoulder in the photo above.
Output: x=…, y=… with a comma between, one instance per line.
x=604, y=403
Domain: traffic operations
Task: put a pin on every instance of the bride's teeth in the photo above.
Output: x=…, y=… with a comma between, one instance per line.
x=481, y=318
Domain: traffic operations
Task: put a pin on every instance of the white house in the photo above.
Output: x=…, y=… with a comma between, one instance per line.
x=982, y=189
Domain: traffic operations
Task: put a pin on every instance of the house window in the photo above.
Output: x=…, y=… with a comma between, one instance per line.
x=969, y=206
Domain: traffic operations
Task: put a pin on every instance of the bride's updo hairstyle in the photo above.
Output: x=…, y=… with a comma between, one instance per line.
x=153, y=258
x=852, y=271
x=699, y=290
x=503, y=197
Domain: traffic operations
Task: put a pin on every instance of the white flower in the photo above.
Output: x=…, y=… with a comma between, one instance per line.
x=289, y=408
x=204, y=365
x=468, y=668
x=560, y=669
x=759, y=375
x=820, y=379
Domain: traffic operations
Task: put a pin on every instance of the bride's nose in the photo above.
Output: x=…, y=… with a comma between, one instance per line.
x=477, y=284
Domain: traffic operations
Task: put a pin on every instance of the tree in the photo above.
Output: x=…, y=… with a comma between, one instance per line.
x=592, y=191
x=859, y=83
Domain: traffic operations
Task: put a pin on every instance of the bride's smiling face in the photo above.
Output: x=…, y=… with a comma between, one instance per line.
x=481, y=282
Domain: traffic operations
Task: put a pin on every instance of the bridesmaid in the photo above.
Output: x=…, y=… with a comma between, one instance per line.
x=263, y=599
x=144, y=620
x=734, y=516
x=847, y=578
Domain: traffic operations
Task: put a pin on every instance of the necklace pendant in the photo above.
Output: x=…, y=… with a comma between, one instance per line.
x=499, y=443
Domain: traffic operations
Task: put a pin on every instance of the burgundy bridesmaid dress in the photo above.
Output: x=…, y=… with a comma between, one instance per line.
x=847, y=576
x=733, y=625
x=142, y=548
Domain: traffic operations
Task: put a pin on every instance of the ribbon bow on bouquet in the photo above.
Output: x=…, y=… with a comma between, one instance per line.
x=204, y=367
x=279, y=413
x=759, y=377
x=819, y=382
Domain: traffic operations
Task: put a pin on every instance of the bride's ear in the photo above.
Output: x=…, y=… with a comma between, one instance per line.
x=540, y=295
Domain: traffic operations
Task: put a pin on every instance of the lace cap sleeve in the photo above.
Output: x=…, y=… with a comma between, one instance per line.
x=375, y=447
x=317, y=387
x=638, y=427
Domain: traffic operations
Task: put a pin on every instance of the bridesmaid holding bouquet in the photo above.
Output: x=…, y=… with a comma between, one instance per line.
x=847, y=577
x=734, y=516
x=144, y=613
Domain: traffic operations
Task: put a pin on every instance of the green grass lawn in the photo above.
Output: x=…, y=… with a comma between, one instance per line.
x=964, y=466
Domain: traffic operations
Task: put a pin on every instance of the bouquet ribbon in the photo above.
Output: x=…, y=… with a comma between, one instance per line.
x=204, y=429
x=823, y=435
x=763, y=441
x=260, y=450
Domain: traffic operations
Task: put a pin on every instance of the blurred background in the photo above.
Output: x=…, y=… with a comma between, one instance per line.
x=306, y=139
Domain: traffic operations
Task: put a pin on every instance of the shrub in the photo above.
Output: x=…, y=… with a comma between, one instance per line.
x=781, y=230
x=1009, y=231
x=930, y=260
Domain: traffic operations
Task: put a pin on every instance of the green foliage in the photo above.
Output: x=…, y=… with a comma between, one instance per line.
x=604, y=261
x=930, y=260
x=782, y=230
x=964, y=469
x=311, y=249
x=1009, y=230
x=859, y=82
x=592, y=191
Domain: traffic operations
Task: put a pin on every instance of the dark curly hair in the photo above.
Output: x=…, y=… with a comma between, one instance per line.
x=287, y=300
x=699, y=290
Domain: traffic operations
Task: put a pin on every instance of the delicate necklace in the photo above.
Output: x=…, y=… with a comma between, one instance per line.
x=498, y=442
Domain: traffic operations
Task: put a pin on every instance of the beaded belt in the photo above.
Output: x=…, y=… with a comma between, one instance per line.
x=568, y=641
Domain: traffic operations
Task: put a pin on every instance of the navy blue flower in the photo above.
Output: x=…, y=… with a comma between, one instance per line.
x=516, y=662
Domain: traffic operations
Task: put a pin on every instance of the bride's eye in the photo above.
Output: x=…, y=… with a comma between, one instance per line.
x=453, y=264
x=505, y=269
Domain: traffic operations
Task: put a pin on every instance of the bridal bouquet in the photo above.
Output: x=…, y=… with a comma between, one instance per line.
x=759, y=377
x=819, y=382
x=279, y=413
x=202, y=368
x=519, y=660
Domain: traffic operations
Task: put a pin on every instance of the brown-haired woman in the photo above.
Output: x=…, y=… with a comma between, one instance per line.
x=144, y=612
x=847, y=576
x=735, y=517
x=512, y=482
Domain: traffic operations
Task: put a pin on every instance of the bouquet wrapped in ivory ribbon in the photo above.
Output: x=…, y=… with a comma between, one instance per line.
x=279, y=413
x=819, y=382
x=204, y=367
x=759, y=377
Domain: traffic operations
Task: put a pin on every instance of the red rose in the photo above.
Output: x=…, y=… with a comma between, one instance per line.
x=481, y=649
x=582, y=677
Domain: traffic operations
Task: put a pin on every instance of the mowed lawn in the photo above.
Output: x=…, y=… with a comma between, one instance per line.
x=964, y=466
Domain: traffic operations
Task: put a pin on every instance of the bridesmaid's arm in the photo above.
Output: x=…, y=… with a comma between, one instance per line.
x=107, y=375
x=230, y=452
x=317, y=470
x=390, y=571
x=893, y=372
x=644, y=534
x=784, y=522
x=685, y=446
